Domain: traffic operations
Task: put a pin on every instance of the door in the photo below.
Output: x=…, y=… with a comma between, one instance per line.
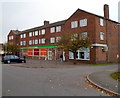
x=49, y=55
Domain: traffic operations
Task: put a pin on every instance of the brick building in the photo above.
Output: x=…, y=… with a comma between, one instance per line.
x=39, y=42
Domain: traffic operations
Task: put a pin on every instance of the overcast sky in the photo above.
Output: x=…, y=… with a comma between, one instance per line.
x=25, y=14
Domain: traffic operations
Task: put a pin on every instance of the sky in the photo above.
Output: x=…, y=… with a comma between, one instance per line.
x=25, y=14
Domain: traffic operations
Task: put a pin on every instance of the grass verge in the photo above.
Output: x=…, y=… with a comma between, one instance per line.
x=116, y=75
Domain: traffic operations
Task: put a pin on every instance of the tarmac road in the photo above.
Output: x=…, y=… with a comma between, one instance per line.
x=20, y=81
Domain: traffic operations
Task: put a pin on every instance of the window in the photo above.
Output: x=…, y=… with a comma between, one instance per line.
x=36, y=41
x=24, y=43
x=52, y=40
x=30, y=52
x=43, y=32
x=71, y=55
x=33, y=33
x=36, y=52
x=30, y=34
x=52, y=30
x=39, y=32
x=39, y=41
x=84, y=34
x=21, y=43
x=74, y=24
x=74, y=37
x=43, y=40
x=58, y=28
x=83, y=22
x=30, y=42
x=101, y=36
x=21, y=36
x=101, y=22
x=58, y=38
x=82, y=54
x=10, y=37
x=24, y=35
x=36, y=33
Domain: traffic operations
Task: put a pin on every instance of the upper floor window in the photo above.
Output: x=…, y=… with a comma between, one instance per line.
x=21, y=43
x=43, y=32
x=30, y=42
x=23, y=36
x=101, y=36
x=101, y=22
x=24, y=43
x=84, y=34
x=43, y=40
x=52, y=40
x=52, y=30
x=36, y=41
x=36, y=33
x=58, y=28
x=83, y=22
x=10, y=37
x=74, y=24
x=30, y=34
x=58, y=38
x=39, y=32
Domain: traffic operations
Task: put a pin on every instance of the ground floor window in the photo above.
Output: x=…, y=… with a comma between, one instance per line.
x=82, y=54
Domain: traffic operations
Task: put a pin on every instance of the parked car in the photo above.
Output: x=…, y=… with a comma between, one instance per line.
x=12, y=58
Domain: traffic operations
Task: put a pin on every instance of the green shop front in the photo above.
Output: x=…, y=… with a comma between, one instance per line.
x=46, y=52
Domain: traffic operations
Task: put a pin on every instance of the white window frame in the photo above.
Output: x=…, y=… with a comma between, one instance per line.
x=43, y=41
x=43, y=32
x=30, y=34
x=83, y=22
x=39, y=32
x=21, y=36
x=52, y=40
x=30, y=42
x=58, y=38
x=101, y=22
x=52, y=29
x=36, y=33
x=36, y=41
x=71, y=55
x=58, y=29
x=74, y=24
x=21, y=43
x=101, y=36
x=24, y=35
x=84, y=34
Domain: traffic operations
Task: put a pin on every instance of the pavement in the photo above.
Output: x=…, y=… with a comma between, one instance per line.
x=98, y=75
x=103, y=80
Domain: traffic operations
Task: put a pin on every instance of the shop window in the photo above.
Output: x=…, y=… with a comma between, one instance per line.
x=82, y=54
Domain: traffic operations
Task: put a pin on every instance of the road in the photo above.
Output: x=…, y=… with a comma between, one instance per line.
x=19, y=81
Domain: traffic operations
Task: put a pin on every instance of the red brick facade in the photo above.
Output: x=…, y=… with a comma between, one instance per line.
x=98, y=51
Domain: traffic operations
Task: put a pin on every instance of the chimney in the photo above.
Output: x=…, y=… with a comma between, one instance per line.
x=106, y=11
x=46, y=22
